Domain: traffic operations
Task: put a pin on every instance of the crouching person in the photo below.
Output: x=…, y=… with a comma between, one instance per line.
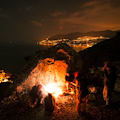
x=35, y=95
x=82, y=94
x=49, y=104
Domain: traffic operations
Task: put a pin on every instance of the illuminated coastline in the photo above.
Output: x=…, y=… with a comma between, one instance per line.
x=78, y=44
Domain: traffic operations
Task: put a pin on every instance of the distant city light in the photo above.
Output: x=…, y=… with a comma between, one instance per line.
x=87, y=41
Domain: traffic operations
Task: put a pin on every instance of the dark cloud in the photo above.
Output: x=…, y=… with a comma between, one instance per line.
x=95, y=14
x=28, y=8
x=34, y=20
x=56, y=14
x=3, y=13
x=37, y=23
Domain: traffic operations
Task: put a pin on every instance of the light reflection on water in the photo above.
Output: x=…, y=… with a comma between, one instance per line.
x=12, y=57
x=78, y=48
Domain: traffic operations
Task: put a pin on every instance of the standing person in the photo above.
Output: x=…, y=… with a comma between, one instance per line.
x=81, y=90
x=82, y=94
x=69, y=78
x=109, y=72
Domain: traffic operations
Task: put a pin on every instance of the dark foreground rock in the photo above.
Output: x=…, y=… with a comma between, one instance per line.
x=65, y=109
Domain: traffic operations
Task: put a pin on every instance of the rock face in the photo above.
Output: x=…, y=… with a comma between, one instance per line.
x=51, y=65
x=46, y=72
x=59, y=52
x=47, y=66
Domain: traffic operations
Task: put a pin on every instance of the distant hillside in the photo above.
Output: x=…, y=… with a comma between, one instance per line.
x=71, y=36
x=104, y=51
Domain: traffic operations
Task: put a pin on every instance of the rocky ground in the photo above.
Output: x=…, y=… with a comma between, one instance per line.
x=65, y=109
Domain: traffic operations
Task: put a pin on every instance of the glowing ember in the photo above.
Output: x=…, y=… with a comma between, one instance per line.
x=54, y=89
x=5, y=80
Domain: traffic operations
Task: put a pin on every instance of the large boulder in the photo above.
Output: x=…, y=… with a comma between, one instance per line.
x=47, y=66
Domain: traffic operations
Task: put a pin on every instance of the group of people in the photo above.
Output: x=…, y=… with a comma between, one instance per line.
x=82, y=82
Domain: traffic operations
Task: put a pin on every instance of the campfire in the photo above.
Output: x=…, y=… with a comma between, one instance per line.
x=4, y=77
x=54, y=89
x=50, y=74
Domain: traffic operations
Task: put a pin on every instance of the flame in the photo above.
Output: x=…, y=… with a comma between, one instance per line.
x=5, y=80
x=4, y=77
x=54, y=89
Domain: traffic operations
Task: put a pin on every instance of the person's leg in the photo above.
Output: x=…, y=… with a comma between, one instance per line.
x=78, y=107
x=106, y=95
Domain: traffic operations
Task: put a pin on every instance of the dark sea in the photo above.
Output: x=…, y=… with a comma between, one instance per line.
x=12, y=56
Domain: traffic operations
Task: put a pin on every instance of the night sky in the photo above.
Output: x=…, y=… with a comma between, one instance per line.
x=29, y=21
